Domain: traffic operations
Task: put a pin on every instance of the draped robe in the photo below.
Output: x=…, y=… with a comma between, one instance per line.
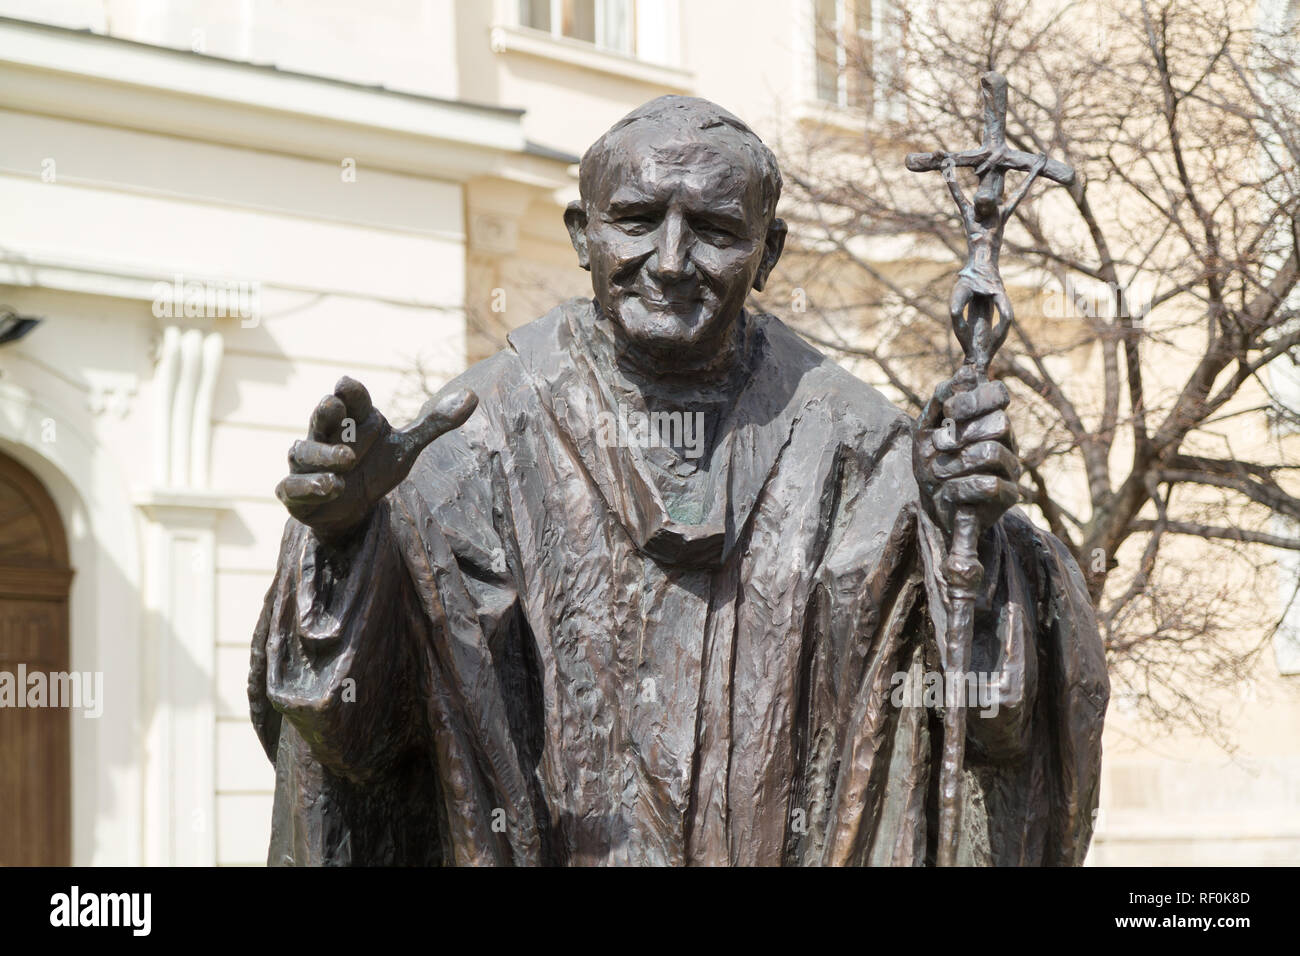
x=526, y=656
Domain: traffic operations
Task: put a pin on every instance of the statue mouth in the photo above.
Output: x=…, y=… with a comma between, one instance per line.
x=661, y=302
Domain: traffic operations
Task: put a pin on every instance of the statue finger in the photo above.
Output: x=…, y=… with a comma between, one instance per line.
x=441, y=414
x=948, y=466
x=945, y=437
x=1008, y=496
x=354, y=397
x=359, y=436
x=983, y=458
x=979, y=491
x=316, y=489
x=308, y=457
x=965, y=379
x=980, y=400
x=326, y=418
x=933, y=413
x=993, y=426
x=992, y=458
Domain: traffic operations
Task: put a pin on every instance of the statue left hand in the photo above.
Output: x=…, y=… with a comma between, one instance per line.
x=965, y=453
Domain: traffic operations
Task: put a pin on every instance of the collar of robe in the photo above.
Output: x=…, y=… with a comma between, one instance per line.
x=563, y=362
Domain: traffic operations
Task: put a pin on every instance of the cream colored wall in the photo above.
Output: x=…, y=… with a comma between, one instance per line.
x=352, y=277
x=399, y=44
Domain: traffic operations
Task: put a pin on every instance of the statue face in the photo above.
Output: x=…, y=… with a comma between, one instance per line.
x=675, y=235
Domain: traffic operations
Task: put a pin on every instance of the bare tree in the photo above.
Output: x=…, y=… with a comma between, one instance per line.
x=1154, y=293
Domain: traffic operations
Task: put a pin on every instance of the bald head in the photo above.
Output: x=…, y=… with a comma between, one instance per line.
x=676, y=225
x=687, y=118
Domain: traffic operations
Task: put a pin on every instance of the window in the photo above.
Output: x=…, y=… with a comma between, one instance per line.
x=857, y=48
x=636, y=39
x=843, y=33
x=607, y=24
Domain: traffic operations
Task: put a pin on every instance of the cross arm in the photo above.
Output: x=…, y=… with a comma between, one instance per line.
x=1054, y=170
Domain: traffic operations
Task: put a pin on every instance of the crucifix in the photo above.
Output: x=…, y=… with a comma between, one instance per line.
x=979, y=293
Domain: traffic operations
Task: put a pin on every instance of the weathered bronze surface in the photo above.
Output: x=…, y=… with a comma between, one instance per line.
x=660, y=584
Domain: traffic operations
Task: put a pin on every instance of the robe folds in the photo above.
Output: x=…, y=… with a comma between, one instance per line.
x=526, y=655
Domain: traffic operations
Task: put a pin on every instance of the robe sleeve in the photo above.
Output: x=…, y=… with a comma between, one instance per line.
x=1033, y=752
x=336, y=662
x=379, y=679
x=1037, y=752
x=881, y=531
x=335, y=688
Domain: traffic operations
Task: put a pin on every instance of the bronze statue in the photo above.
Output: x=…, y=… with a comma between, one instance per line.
x=510, y=634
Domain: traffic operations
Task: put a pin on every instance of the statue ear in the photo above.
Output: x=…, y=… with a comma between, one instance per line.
x=773, y=243
x=575, y=219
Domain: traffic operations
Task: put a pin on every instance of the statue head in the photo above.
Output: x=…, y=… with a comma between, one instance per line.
x=677, y=222
x=988, y=195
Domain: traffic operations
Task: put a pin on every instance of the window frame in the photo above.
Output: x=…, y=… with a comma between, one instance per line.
x=556, y=26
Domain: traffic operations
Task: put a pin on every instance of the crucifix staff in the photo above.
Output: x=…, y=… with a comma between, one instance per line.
x=977, y=295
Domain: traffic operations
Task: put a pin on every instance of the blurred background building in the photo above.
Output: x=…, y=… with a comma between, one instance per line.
x=215, y=209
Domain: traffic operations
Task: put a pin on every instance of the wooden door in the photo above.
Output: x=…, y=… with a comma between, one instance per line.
x=35, y=757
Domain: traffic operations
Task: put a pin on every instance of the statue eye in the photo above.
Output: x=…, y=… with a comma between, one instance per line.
x=713, y=234
x=636, y=225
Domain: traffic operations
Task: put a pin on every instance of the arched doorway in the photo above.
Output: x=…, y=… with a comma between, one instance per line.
x=35, y=757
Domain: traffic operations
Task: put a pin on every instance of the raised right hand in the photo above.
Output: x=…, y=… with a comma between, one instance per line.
x=352, y=456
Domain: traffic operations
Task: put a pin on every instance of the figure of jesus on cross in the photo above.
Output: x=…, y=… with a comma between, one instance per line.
x=980, y=282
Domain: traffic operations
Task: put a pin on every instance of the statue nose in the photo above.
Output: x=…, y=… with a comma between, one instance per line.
x=672, y=259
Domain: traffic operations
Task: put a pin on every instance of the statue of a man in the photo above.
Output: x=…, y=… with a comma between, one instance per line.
x=514, y=634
